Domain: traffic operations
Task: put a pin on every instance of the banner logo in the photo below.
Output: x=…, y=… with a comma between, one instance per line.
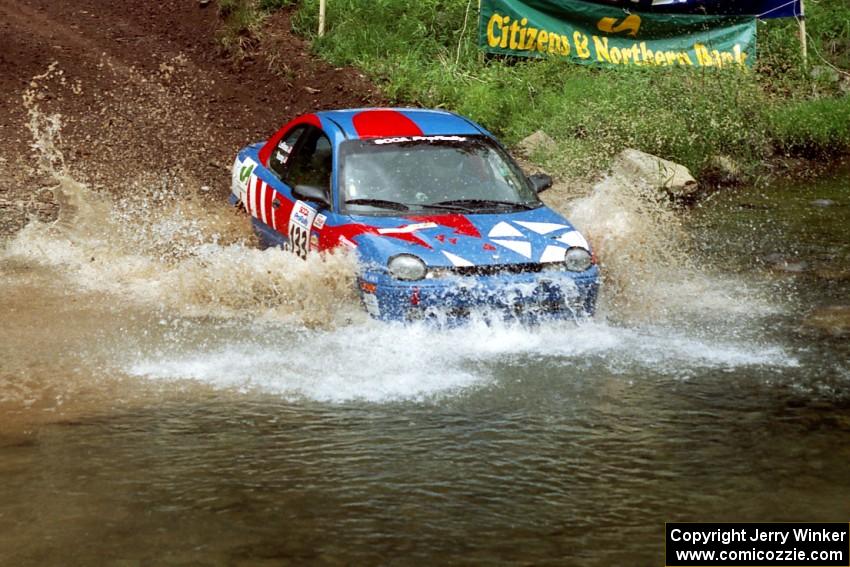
x=630, y=24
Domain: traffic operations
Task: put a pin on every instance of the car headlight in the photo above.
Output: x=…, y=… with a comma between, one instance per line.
x=407, y=267
x=577, y=259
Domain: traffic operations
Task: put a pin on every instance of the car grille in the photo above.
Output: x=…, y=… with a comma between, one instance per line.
x=497, y=269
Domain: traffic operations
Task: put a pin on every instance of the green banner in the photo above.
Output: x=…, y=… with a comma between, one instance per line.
x=605, y=35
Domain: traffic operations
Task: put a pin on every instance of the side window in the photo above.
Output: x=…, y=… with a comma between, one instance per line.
x=311, y=162
x=283, y=151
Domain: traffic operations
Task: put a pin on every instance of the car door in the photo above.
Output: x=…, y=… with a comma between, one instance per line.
x=266, y=197
x=301, y=158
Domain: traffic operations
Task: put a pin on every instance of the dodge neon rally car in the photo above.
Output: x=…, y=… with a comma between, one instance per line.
x=443, y=221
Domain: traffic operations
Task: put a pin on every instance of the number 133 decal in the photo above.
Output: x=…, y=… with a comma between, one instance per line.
x=300, y=223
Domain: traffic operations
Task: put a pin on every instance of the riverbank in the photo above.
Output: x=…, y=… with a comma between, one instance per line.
x=426, y=54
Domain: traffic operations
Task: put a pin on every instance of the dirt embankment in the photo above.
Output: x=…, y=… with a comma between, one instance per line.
x=145, y=93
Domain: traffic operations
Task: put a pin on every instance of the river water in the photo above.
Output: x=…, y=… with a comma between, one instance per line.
x=171, y=396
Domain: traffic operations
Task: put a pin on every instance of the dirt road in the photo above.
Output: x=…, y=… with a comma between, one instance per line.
x=144, y=91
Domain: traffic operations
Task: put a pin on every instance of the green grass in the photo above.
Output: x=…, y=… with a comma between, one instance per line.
x=420, y=54
x=813, y=127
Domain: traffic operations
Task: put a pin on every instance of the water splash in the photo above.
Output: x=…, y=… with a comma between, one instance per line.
x=648, y=262
x=417, y=363
x=171, y=245
x=267, y=321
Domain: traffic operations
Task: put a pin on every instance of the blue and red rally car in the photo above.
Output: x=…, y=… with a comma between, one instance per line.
x=443, y=221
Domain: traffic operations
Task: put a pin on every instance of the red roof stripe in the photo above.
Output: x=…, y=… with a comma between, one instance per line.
x=384, y=123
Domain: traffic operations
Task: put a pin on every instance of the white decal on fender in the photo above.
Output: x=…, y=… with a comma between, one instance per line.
x=250, y=196
x=574, y=238
x=242, y=171
x=457, y=260
x=553, y=254
x=263, y=188
x=300, y=222
x=258, y=187
x=542, y=227
x=319, y=223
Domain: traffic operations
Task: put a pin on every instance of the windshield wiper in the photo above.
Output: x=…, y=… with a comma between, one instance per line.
x=381, y=203
x=485, y=203
x=447, y=206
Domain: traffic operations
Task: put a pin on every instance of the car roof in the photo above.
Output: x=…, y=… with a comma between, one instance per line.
x=364, y=123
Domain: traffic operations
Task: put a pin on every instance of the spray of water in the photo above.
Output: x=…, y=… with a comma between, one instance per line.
x=648, y=262
x=416, y=362
x=173, y=246
x=296, y=328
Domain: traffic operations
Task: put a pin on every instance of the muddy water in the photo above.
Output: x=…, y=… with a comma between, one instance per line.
x=170, y=395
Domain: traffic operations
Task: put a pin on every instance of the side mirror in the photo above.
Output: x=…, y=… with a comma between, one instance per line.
x=311, y=193
x=540, y=182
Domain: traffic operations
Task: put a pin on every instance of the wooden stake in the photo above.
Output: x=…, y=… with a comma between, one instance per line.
x=804, y=40
x=477, y=21
x=322, y=4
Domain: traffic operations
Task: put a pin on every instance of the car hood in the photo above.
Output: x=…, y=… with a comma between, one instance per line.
x=462, y=240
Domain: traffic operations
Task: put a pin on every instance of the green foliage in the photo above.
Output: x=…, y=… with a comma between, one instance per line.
x=828, y=25
x=812, y=127
x=421, y=54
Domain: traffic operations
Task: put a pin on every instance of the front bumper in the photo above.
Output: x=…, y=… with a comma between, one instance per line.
x=526, y=296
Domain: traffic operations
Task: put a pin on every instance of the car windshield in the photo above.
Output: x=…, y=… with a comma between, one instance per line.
x=430, y=173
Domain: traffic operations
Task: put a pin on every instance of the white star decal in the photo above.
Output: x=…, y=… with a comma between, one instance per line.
x=553, y=254
x=502, y=230
x=522, y=247
x=457, y=260
x=574, y=238
x=542, y=227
